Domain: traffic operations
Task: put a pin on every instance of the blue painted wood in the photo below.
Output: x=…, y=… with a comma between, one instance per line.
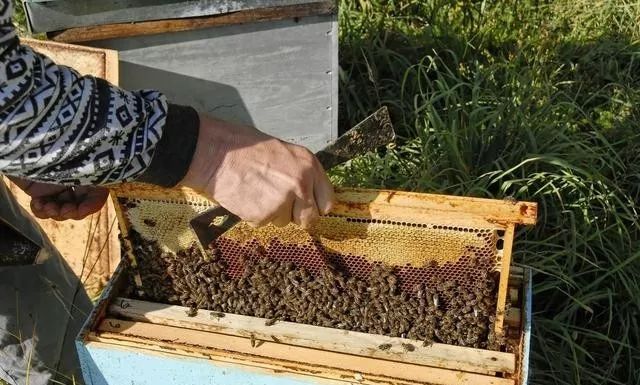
x=113, y=365
x=526, y=322
x=90, y=372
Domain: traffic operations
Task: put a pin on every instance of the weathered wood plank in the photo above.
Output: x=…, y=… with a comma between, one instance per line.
x=385, y=205
x=121, y=30
x=281, y=79
x=514, y=294
x=503, y=286
x=187, y=338
x=513, y=317
x=363, y=344
x=45, y=16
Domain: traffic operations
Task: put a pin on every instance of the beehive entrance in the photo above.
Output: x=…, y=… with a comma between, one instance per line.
x=450, y=248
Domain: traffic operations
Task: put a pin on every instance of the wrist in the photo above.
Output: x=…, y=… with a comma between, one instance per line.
x=208, y=154
x=175, y=150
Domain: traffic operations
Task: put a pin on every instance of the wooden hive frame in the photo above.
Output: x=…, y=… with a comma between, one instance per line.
x=329, y=355
x=120, y=30
x=501, y=215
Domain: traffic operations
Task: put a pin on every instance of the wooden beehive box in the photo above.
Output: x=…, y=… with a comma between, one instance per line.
x=269, y=63
x=141, y=342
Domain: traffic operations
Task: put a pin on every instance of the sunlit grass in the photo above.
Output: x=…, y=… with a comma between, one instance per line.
x=536, y=100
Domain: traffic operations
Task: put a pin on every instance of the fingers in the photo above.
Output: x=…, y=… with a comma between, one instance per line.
x=283, y=216
x=24, y=184
x=314, y=197
x=68, y=210
x=323, y=191
x=305, y=212
x=92, y=202
x=69, y=205
x=299, y=208
x=44, y=209
x=305, y=209
x=42, y=190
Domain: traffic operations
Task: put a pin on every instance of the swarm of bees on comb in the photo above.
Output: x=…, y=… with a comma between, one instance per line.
x=439, y=311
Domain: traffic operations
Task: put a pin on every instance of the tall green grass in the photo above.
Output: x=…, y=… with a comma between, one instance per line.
x=531, y=99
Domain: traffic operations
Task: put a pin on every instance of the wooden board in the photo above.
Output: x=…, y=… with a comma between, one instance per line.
x=280, y=76
x=98, y=62
x=56, y=15
x=362, y=344
x=90, y=246
x=323, y=361
x=503, y=285
x=513, y=318
x=174, y=352
x=122, y=30
x=153, y=365
x=386, y=205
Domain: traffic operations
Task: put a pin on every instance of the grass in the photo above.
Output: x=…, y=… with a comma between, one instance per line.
x=532, y=99
x=19, y=18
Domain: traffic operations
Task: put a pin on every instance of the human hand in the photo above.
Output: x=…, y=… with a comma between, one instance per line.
x=258, y=177
x=50, y=201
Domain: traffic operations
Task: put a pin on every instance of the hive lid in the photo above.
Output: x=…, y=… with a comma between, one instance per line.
x=55, y=15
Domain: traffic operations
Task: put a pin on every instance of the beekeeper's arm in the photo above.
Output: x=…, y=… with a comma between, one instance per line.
x=59, y=127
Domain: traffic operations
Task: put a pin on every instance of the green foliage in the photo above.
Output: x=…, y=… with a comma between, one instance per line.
x=19, y=17
x=537, y=100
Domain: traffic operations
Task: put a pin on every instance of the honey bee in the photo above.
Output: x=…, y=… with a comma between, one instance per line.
x=270, y=322
x=443, y=310
x=384, y=347
x=408, y=347
x=510, y=199
x=216, y=315
x=192, y=312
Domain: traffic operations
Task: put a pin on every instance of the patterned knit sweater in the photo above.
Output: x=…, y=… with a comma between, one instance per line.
x=59, y=127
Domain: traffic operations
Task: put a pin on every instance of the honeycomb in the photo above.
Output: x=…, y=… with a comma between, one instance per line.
x=424, y=251
x=419, y=251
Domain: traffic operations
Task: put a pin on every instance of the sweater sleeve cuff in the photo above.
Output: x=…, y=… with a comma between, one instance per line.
x=175, y=149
